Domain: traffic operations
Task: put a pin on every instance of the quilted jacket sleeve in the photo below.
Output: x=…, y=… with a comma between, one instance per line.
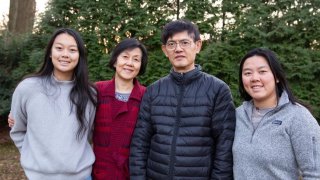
x=223, y=127
x=140, y=143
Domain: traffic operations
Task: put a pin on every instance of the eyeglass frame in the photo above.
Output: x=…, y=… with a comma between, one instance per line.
x=180, y=42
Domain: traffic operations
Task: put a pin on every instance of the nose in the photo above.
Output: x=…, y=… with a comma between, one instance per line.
x=255, y=76
x=65, y=53
x=178, y=47
x=129, y=62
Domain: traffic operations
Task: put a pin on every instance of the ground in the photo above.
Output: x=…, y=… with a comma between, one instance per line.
x=10, y=168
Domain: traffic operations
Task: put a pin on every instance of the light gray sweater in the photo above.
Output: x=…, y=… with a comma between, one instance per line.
x=286, y=141
x=45, y=131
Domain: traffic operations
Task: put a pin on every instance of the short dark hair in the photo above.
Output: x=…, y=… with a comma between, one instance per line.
x=177, y=26
x=276, y=69
x=126, y=44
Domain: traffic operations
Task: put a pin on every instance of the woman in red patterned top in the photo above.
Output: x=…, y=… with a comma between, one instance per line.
x=118, y=107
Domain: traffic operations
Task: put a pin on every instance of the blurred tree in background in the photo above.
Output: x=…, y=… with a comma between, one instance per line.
x=229, y=29
x=21, y=16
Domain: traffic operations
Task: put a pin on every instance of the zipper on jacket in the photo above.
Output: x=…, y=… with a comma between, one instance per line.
x=254, y=130
x=175, y=134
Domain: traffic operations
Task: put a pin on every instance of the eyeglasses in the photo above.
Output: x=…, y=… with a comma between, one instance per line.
x=171, y=45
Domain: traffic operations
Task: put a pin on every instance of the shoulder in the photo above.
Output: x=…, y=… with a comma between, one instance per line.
x=159, y=82
x=142, y=88
x=139, y=88
x=27, y=88
x=103, y=84
x=213, y=79
x=298, y=118
x=300, y=114
x=241, y=109
x=29, y=84
x=214, y=85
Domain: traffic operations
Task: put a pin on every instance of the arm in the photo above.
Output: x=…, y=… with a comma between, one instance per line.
x=140, y=143
x=18, y=113
x=92, y=114
x=223, y=127
x=305, y=138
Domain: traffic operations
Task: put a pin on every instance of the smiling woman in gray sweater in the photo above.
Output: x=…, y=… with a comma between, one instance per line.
x=54, y=111
x=276, y=136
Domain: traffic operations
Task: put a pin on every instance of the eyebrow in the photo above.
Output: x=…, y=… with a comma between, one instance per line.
x=178, y=40
x=260, y=67
x=72, y=45
x=126, y=52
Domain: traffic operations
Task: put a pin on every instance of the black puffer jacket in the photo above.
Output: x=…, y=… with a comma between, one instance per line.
x=185, y=129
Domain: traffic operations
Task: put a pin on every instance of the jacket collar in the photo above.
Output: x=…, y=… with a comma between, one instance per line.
x=109, y=89
x=188, y=77
x=284, y=99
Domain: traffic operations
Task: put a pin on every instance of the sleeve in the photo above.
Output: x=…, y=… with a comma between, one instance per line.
x=92, y=114
x=19, y=114
x=305, y=138
x=140, y=143
x=223, y=128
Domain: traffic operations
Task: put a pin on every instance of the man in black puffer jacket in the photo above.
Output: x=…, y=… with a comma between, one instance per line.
x=186, y=123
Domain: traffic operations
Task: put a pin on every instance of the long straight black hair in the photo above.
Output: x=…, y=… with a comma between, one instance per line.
x=277, y=71
x=83, y=91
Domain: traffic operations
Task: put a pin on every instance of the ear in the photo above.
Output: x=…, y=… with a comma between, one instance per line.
x=164, y=50
x=198, y=46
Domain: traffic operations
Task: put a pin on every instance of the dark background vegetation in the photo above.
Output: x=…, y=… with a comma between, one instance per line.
x=229, y=27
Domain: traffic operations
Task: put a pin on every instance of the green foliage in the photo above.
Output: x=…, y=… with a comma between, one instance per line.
x=19, y=56
x=221, y=60
x=158, y=66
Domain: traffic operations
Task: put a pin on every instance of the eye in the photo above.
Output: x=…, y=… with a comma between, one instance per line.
x=263, y=71
x=185, y=42
x=74, y=50
x=58, y=48
x=137, y=59
x=247, y=73
x=171, y=44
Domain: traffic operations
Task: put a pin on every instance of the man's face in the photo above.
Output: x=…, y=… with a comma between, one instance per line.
x=181, y=51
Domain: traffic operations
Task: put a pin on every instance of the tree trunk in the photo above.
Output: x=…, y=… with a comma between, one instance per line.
x=21, y=16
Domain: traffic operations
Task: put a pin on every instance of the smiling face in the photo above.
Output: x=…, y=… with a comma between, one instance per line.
x=182, y=59
x=259, y=82
x=128, y=64
x=64, y=56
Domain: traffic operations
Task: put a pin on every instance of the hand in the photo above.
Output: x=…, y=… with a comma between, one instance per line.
x=10, y=121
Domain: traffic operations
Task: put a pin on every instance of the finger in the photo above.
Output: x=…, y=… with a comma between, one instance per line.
x=10, y=122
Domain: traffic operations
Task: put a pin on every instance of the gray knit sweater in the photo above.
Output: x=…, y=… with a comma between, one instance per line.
x=45, y=131
x=286, y=141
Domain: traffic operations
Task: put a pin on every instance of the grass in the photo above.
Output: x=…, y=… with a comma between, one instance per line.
x=10, y=168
